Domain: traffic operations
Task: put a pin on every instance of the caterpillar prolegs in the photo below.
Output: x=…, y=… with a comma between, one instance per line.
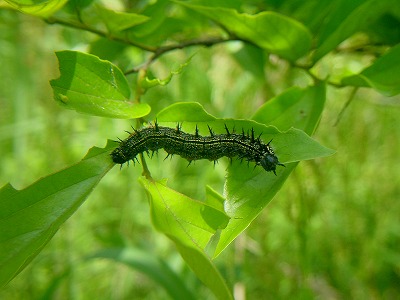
x=244, y=146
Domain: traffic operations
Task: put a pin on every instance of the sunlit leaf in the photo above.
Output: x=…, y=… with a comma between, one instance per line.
x=93, y=86
x=30, y=217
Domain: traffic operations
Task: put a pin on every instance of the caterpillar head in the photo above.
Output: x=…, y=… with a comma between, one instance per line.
x=269, y=162
x=118, y=156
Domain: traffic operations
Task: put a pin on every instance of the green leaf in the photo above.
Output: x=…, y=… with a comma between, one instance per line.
x=296, y=107
x=271, y=31
x=30, y=217
x=151, y=265
x=185, y=219
x=93, y=86
x=37, y=8
x=383, y=75
x=190, y=224
x=149, y=83
x=248, y=193
x=184, y=111
x=348, y=18
x=118, y=21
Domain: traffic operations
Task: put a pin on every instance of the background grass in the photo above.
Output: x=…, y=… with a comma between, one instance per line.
x=332, y=232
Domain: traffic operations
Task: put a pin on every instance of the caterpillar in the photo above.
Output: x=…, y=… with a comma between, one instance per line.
x=194, y=146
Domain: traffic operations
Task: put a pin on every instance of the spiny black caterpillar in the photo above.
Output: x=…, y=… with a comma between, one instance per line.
x=194, y=146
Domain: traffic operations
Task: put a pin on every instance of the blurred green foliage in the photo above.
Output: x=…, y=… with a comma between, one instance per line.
x=333, y=230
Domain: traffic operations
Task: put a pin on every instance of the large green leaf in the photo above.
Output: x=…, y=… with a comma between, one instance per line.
x=271, y=31
x=37, y=8
x=93, y=86
x=383, y=75
x=30, y=217
x=191, y=225
x=347, y=18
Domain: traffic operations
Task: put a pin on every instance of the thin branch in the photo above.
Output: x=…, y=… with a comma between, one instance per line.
x=195, y=42
x=165, y=49
x=110, y=36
